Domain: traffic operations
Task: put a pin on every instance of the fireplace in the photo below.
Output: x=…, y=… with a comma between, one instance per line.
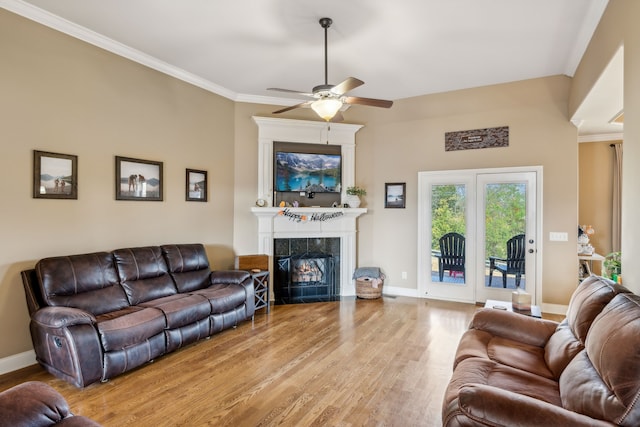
x=306, y=270
x=307, y=224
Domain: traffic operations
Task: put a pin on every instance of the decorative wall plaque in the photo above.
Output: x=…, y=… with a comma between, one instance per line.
x=476, y=138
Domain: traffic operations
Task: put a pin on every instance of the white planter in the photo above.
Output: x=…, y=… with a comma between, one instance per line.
x=353, y=201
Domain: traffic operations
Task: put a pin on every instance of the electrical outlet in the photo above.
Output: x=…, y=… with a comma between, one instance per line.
x=556, y=236
x=404, y=275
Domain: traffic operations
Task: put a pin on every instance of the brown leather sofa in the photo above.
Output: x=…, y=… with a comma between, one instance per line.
x=98, y=315
x=511, y=369
x=36, y=404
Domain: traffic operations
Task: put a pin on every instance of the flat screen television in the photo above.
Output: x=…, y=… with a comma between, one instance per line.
x=318, y=173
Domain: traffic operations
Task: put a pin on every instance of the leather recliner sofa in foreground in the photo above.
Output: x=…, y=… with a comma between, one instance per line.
x=512, y=369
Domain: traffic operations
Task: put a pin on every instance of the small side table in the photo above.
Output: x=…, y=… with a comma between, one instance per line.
x=261, y=288
x=588, y=259
x=507, y=306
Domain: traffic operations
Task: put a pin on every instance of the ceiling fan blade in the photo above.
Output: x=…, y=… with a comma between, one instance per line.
x=367, y=101
x=293, y=107
x=290, y=91
x=347, y=85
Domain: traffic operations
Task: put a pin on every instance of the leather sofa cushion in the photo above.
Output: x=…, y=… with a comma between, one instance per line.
x=143, y=273
x=129, y=326
x=603, y=380
x=587, y=301
x=188, y=265
x=478, y=343
x=509, y=338
x=223, y=298
x=488, y=372
x=88, y=282
x=180, y=309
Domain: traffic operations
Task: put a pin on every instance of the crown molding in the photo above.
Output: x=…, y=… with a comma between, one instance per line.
x=79, y=32
x=601, y=137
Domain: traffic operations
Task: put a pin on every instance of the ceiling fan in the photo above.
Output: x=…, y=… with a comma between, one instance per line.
x=328, y=99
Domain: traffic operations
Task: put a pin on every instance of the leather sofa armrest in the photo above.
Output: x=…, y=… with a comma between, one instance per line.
x=514, y=326
x=237, y=277
x=491, y=406
x=242, y=278
x=61, y=317
x=67, y=344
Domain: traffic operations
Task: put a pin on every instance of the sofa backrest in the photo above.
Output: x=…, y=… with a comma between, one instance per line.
x=88, y=282
x=587, y=301
x=603, y=380
x=143, y=273
x=188, y=265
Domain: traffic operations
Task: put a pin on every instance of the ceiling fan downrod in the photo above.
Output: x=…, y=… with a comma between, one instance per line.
x=326, y=23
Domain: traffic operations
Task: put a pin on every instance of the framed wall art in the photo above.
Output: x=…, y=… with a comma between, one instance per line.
x=476, y=138
x=138, y=179
x=55, y=176
x=394, y=195
x=196, y=190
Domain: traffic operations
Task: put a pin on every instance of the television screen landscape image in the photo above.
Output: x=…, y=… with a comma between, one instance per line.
x=317, y=173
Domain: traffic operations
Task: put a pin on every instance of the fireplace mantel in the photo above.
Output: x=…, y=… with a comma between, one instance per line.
x=348, y=212
x=291, y=223
x=308, y=222
x=274, y=223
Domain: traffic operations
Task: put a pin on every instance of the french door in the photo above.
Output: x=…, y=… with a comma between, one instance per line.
x=494, y=213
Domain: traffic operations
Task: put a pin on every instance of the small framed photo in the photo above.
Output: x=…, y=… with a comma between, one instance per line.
x=394, y=195
x=138, y=179
x=55, y=176
x=196, y=190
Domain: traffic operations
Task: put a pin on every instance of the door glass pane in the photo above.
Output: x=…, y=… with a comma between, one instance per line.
x=505, y=225
x=448, y=228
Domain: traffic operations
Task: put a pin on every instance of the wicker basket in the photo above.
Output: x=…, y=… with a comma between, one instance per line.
x=365, y=289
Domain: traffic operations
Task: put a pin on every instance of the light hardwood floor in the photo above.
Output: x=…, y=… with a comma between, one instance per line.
x=383, y=362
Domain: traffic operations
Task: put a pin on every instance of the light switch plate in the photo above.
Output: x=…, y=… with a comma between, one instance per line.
x=557, y=236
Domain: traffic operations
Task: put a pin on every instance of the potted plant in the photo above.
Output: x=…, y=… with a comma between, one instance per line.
x=613, y=266
x=353, y=196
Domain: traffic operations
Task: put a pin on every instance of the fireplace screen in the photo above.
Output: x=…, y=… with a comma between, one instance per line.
x=308, y=270
x=305, y=278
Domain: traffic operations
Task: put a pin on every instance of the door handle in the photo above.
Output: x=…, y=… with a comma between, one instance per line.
x=530, y=251
x=530, y=240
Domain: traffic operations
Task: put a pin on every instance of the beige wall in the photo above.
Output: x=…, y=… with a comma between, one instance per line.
x=398, y=143
x=62, y=95
x=619, y=27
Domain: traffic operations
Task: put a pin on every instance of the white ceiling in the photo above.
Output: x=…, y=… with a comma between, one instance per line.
x=400, y=49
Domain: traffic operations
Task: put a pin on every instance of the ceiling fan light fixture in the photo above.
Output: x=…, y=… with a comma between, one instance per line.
x=326, y=107
x=329, y=99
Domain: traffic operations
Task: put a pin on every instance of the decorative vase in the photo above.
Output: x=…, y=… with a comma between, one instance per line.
x=353, y=201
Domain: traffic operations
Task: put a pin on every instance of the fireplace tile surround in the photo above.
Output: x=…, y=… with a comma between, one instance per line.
x=310, y=223
x=294, y=285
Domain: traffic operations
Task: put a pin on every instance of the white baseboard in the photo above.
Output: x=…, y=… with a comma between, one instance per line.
x=401, y=292
x=17, y=361
x=407, y=292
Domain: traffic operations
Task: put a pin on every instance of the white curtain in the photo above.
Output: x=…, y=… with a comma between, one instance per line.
x=616, y=218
